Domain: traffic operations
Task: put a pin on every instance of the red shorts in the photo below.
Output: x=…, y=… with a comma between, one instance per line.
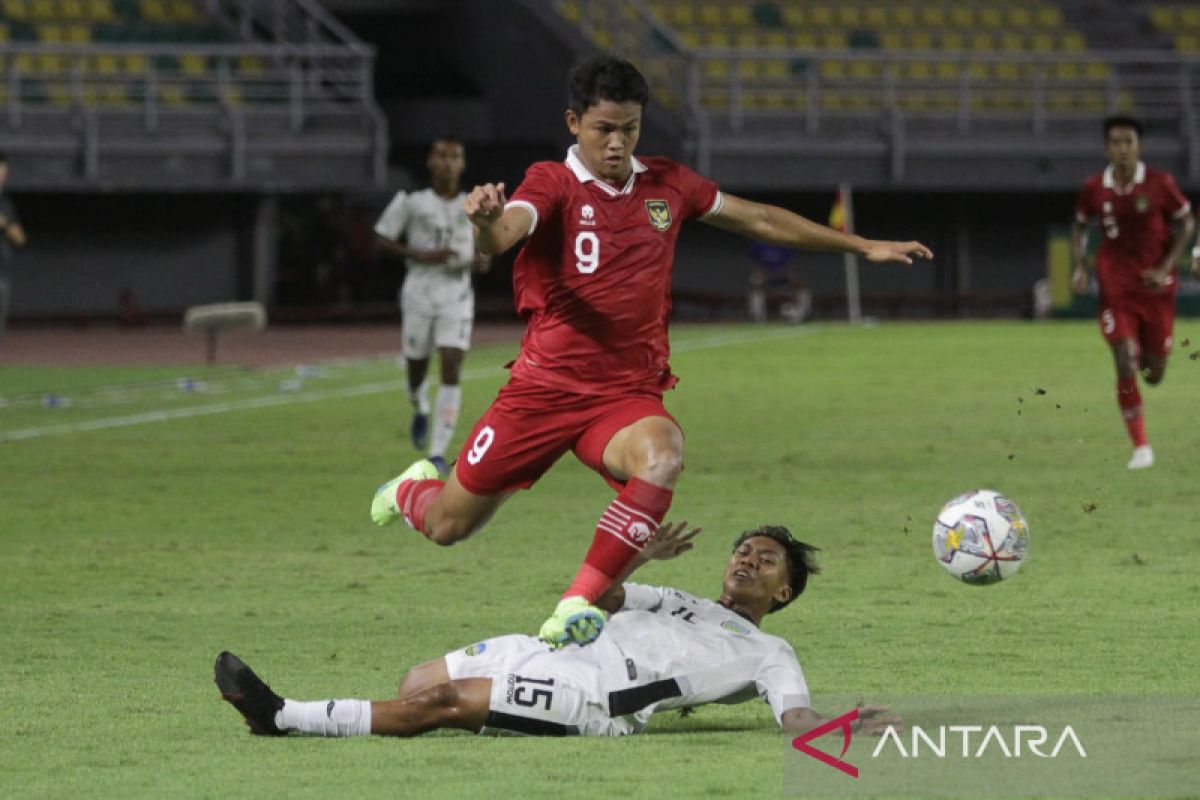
x=528, y=427
x=1149, y=321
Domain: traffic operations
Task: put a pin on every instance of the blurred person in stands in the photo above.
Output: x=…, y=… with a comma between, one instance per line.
x=12, y=237
x=1145, y=222
x=431, y=231
x=593, y=282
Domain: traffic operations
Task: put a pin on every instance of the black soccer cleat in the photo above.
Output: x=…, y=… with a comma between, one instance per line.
x=246, y=692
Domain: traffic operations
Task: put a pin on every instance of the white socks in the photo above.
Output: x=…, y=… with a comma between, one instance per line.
x=449, y=401
x=419, y=397
x=326, y=717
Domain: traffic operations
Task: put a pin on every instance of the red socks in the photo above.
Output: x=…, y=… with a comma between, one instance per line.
x=1130, y=401
x=622, y=532
x=413, y=499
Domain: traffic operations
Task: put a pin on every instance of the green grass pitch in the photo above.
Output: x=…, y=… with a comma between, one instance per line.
x=133, y=552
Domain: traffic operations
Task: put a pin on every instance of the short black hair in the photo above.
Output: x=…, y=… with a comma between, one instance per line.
x=801, y=563
x=1123, y=121
x=605, y=78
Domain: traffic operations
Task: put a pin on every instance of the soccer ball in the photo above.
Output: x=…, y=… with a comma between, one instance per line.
x=980, y=537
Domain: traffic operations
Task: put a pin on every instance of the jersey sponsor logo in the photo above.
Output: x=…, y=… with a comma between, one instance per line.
x=476, y=649
x=733, y=626
x=660, y=214
x=1141, y=203
x=587, y=215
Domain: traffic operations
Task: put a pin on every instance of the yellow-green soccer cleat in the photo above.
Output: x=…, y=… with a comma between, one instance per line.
x=575, y=620
x=383, y=506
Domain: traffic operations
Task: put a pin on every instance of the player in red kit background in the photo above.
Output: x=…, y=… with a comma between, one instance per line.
x=593, y=282
x=1145, y=222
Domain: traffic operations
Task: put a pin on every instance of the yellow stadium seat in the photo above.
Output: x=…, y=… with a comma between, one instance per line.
x=1162, y=17
x=834, y=40
x=794, y=16
x=1006, y=71
x=135, y=63
x=849, y=16
x=106, y=64
x=691, y=38
x=962, y=17
x=1042, y=43
x=1073, y=42
x=933, y=17
x=682, y=15
x=710, y=15
x=185, y=11
x=983, y=43
x=4, y=37
x=16, y=9
x=51, y=63
x=1019, y=17
x=1187, y=43
x=71, y=9
x=154, y=10
x=953, y=41
x=775, y=69
x=891, y=40
x=920, y=40
x=1066, y=71
x=1049, y=17
x=747, y=39
x=833, y=70
x=50, y=34
x=1096, y=70
x=776, y=40
x=1012, y=42
x=820, y=16
x=172, y=94
x=602, y=38
x=804, y=41
x=875, y=16
x=658, y=9
x=864, y=70
x=947, y=70
x=101, y=11
x=42, y=9
x=738, y=15
x=978, y=71
x=716, y=39
x=904, y=17
x=59, y=93
x=916, y=70
x=1189, y=17
x=192, y=64
x=990, y=18
x=749, y=69
x=716, y=69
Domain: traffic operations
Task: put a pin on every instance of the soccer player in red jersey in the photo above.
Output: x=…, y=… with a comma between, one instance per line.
x=1145, y=222
x=593, y=282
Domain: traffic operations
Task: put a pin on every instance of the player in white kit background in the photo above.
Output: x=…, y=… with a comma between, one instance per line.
x=662, y=649
x=430, y=230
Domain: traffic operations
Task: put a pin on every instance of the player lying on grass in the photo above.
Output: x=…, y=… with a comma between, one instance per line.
x=662, y=649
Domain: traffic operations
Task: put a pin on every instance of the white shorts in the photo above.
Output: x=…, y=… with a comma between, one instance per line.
x=438, y=308
x=537, y=691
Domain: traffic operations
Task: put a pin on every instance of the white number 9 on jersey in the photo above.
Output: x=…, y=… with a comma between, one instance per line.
x=587, y=252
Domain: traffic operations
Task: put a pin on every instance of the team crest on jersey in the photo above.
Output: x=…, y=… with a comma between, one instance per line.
x=476, y=649
x=1141, y=203
x=735, y=627
x=587, y=215
x=660, y=214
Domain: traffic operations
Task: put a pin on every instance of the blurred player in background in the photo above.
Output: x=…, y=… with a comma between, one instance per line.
x=431, y=231
x=12, y=236
x=664, y=649
x=1145, y=222
x=593, y=282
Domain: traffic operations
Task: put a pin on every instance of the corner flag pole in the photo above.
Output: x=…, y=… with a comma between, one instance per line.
x=842, y=218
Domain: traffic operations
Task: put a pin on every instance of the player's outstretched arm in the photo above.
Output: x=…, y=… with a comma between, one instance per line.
x=496, y=228
x=776, y=225
x=668, y=542
x=872, y=720
x=1079, y=274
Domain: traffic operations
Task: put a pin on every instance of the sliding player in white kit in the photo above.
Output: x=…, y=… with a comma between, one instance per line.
x=662, y=649
x=430, y=229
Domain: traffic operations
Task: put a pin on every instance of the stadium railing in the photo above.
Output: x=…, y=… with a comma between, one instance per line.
x=290, y=107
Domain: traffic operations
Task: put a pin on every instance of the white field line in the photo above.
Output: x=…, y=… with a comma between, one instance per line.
x=271, y=401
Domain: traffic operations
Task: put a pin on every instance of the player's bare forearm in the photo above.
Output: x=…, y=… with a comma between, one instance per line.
x=779, y=226
x=16, y=234
x=499, y=236
x=1181, y=231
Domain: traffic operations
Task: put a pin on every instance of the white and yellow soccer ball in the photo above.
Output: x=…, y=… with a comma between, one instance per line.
x=981, y=537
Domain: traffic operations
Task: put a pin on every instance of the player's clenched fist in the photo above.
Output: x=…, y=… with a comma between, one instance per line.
x=485, y=204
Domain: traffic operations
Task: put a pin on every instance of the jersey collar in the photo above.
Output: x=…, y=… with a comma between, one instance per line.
x=1110, y=182
x=575, y=163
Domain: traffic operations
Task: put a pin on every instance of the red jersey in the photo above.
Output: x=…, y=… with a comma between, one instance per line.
x=593, y=280
x=1135, y=227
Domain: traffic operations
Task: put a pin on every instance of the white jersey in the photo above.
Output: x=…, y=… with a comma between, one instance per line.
x=427, y=221
x=682, y=650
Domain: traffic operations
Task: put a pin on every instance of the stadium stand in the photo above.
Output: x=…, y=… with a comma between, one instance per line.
x=994, y=80
x=184, y=94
